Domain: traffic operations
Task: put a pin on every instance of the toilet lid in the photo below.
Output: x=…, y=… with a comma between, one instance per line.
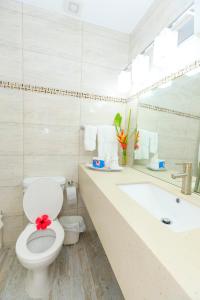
x=43, y=197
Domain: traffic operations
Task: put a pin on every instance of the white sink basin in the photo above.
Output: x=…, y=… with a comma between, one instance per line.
x=164, y=206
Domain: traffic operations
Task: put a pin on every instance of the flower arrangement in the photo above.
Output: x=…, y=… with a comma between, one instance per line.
x=123, y=135
x=136, y=139
x=42, y=222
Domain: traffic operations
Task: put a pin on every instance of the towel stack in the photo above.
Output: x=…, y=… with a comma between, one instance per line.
x=148, y=144
x=106, y=140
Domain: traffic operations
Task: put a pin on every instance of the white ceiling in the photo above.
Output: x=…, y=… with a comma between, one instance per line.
x=120, y=15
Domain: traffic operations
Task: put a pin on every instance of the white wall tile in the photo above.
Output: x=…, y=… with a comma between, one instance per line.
x=11, y=137
x=11, y=63
x=54, y=38
x=11, y=200
x=106, y=32
x=13, y=226
x=11, y=170
x=51, y=71
x=70, y=23
x=11, y=27
x=51, y=140
x=100, y=112
x=51, y=109
x=12, y=4
x=52, y=166
x=99, y=80
x=87, y=158
x=103, y=51
x=11, y=106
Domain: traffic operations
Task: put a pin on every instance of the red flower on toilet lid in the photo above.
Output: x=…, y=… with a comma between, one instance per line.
x=42, y=222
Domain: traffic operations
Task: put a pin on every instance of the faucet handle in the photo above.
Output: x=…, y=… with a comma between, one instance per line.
x=187, y=167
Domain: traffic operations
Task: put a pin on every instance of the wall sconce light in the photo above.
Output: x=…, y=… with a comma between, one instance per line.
x=164, y=54
x=140, y=69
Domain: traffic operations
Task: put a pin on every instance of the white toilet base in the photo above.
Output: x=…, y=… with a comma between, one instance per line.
x=38, y=283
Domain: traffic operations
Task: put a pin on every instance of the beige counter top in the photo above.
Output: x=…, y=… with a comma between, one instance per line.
x=179, y=253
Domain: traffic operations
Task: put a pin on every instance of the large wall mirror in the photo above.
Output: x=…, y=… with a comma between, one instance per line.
x=171, y=114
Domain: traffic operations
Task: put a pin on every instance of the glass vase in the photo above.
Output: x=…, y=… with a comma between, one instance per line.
x=124, y=157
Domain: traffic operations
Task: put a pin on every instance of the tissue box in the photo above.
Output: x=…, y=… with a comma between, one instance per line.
x=98, y=163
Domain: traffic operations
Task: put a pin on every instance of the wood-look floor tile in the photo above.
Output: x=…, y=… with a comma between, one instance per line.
x=80, y=272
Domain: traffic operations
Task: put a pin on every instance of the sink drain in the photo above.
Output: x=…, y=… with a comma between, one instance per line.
x=166, y=221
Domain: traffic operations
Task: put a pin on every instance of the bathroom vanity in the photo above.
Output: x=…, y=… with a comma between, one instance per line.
x=150, y=260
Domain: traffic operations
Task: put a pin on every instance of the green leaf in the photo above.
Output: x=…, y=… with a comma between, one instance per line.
x=129, y=124
x=118, y=120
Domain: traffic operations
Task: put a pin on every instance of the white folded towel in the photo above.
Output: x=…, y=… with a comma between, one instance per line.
x=148, y=144
x=90, y=138
x=153, y=147
x=107, y=143
x=144, y=143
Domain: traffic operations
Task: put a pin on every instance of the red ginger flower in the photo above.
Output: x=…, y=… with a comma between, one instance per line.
x=42, y=222
x=122, y=138
x=136, y=139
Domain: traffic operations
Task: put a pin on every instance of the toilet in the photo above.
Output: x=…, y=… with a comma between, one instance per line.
x=37, y=249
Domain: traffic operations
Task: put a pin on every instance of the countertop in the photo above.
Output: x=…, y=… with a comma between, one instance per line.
x=179, y=253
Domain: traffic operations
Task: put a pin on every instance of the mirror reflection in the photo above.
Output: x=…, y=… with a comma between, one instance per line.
x=168, y=124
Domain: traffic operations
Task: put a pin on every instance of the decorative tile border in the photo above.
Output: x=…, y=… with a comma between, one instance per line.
x=61, y=92
x=81, y=95
x=169, y=111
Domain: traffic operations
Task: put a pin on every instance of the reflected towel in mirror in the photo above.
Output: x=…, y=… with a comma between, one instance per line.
x=90, y=135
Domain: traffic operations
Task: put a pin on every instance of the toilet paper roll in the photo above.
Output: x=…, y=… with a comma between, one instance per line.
x=71, y=194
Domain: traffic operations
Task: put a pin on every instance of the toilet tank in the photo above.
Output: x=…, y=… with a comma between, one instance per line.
x=59, y=179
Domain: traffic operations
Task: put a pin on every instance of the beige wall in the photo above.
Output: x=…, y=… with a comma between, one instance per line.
x=40, y=134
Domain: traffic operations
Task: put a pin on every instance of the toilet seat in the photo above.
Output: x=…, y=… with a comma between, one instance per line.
x=22, y=249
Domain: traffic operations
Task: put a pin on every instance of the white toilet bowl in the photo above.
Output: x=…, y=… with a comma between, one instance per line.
x=37, y=249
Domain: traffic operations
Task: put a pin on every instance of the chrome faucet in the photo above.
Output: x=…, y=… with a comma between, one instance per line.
x=186, y=178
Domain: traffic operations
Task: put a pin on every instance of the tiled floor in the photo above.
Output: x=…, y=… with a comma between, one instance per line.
x=81, y=272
